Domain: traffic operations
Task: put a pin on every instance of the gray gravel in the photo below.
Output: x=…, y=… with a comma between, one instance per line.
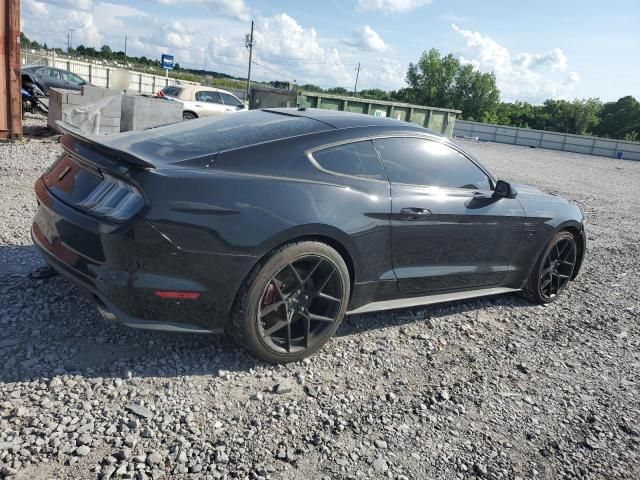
x=492, y=388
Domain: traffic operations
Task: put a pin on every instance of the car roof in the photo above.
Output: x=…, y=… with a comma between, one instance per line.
x=201, y=88
x=340, y=119
x=207, y=136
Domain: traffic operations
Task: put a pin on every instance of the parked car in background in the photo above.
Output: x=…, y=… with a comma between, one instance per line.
x=273, y=224
x=47, y=77
x=202, y=101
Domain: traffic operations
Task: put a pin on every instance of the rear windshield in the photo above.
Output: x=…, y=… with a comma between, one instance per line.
x=198, y=138
x=172, y=91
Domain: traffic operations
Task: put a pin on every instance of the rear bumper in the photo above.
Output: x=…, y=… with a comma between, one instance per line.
x=121, y=268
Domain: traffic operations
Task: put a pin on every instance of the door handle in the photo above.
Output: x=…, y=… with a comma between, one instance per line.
x=411, y=213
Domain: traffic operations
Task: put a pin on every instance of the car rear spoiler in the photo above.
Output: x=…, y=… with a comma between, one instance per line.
x=77, y=139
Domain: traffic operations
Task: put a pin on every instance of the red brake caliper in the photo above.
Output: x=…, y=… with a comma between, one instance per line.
x=269, y=295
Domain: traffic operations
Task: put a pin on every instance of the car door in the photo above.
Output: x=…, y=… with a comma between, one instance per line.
x=448, y=231
x=208, y=103
x=231, y=103
x=73, y=82
x=49, y=78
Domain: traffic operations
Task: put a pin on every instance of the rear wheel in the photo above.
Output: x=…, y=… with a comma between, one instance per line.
x=188, y=116
x=293, y=302
x=554, y=269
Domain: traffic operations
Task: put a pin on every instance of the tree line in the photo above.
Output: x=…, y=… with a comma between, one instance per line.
x=442, y=81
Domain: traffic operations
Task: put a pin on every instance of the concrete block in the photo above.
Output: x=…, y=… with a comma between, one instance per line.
x=58, y=100
x=140, y=112
x=95, y=93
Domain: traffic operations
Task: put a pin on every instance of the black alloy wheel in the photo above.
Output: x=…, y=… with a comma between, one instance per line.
x=294, y=303
x=554, y=269
x=300, y=304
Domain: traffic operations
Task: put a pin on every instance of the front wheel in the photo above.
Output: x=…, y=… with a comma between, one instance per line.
x=292, y=303
x=189, y=116
x=554, y=269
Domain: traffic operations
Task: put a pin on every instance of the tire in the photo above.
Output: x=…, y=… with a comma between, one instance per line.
x=291, y=289
x=189, y=116
x=549, y=268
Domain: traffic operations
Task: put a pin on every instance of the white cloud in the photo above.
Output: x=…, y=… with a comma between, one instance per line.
x=71, y=4
x=286, y=47
x=230, y=8
x=366, y=38
x=532, y=77
x=34, y=7
x=111, y=17
x=572, y=78
x=164, y=36
x=391, y=6
x=555, y=60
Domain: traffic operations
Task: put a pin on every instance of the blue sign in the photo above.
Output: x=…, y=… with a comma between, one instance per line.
x=167, y=61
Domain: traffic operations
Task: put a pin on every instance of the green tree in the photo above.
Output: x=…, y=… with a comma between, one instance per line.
x=620, y=119
x=106, y=52
x=375, y=94
x=310, y=87
x=577, y=116
x=443, y=82
x=338, y=91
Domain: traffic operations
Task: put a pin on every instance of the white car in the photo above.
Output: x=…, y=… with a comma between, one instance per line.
x=201, y=101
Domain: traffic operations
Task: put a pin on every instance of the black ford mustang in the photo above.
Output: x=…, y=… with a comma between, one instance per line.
x=274, y=224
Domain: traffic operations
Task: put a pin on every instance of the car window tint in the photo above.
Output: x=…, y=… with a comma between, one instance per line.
x=208, y=97
x=423, y=162
x=230, y=100
x=356, y=159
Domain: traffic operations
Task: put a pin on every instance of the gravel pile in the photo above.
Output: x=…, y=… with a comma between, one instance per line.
x=493, y=388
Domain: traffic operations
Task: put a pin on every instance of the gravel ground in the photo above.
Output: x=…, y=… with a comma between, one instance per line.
x=493, y=388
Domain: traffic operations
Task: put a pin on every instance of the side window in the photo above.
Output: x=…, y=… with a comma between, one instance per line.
x=358, y=159
x=71, y=77
x=423, y=162
x=208, y=97
x=49, y=72
x=230, y=100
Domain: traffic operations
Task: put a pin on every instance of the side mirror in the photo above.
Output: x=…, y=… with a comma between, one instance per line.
x=504, y=190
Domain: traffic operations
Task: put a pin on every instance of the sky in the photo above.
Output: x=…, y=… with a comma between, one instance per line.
x=537, y=50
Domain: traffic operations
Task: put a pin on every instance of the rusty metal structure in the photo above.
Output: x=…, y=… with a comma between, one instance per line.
x=10, y=97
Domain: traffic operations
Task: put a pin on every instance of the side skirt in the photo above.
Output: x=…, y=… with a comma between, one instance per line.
x=429, y=299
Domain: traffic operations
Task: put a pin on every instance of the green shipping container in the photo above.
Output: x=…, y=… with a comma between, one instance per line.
x=441, y=120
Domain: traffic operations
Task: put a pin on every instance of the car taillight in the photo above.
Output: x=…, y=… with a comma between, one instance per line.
x=113, y=199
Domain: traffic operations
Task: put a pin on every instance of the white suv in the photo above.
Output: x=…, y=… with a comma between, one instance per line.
x=202, y=101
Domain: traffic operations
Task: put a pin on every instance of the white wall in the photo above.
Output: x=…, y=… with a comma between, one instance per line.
x=556, y=141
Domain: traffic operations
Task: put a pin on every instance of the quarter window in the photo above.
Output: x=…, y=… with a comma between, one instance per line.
x=423, y=162
x=357, y=159
x=208, y=97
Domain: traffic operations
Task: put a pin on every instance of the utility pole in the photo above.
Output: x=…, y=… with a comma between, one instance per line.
x=10, y=99
x=355, y=88
x=70, y=39
x=249, y=45
x=125, y=51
